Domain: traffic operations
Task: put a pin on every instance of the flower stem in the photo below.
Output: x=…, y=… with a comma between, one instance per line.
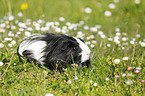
x=7, y=67
x=4, y=2
x=9, y=7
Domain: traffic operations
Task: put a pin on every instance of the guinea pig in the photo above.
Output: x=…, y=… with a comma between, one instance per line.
x=55, y=51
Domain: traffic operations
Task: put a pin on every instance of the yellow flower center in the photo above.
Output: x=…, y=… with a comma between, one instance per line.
x=24, y=6
x=142, y=44
x=79, y=36
x=10, y=45
x=125, y=34
x=7, y=22
x=117, y=62
x=1, y=46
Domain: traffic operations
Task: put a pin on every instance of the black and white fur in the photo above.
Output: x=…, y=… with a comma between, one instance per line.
x=51, y=49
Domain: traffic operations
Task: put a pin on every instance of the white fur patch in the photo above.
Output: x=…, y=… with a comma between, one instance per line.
x=36, y=47
x=85, y=50
x=37, y=35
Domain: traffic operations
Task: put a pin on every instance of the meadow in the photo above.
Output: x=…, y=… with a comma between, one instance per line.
x=113, y=29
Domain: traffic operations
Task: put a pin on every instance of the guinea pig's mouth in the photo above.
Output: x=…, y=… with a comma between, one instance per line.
x=86, y=63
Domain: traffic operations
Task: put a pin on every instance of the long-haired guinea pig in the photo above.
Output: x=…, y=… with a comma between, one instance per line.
x=55, y=51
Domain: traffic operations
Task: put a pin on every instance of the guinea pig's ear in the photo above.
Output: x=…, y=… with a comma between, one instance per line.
x=81, y=39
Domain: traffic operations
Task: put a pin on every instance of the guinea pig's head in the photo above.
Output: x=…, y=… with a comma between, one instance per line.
x=84, y=53
x=67, y=50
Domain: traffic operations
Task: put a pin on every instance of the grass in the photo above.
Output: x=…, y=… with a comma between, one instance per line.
x=23, y=78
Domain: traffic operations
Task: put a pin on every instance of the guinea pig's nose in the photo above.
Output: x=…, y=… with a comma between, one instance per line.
x=87, y=54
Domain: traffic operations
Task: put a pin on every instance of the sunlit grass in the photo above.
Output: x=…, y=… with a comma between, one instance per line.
x=116, y=40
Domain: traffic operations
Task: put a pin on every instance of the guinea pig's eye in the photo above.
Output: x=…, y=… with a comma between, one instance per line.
x=76, y=48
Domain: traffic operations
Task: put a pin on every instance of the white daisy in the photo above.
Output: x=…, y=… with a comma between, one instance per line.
x=1, y=45
x=108, y=13
x=88, y=10
x=1, y=63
